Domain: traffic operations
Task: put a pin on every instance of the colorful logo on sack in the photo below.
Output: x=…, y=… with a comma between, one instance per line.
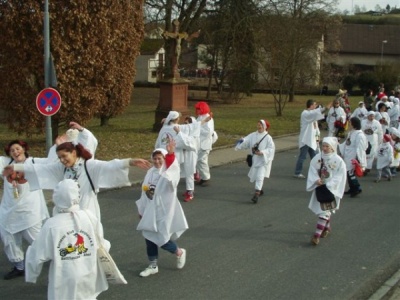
x=74, y=245
x=166, y=137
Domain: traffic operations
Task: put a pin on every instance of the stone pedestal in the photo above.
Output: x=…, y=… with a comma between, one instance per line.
x=173, y=96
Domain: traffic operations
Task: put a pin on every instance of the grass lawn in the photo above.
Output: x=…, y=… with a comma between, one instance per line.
x=130, y=134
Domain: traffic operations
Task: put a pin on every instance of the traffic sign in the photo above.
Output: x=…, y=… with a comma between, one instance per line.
x=48, y=101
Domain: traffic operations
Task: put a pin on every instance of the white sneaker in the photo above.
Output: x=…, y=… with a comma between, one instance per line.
x=149, y=271
x=181, y=260
x=301, y=176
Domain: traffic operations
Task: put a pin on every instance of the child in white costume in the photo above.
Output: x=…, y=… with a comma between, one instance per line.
x=262, y=156
x=68, y=240
x=395, y=135
x=162, y=218
x=373, y=132
x=384, y=158
x=326, y=168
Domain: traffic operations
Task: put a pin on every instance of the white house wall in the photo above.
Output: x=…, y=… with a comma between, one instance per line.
x=146, y=65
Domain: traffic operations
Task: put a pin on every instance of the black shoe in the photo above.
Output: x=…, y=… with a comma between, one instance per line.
x=203, y=182
x=255, y=198
x=347, y=192
x=14, y=274
x=354, y=194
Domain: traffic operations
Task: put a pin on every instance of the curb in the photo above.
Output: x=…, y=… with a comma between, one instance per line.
x=387, y=287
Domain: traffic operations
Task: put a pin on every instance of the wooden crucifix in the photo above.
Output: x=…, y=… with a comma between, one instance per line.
x=177, y=37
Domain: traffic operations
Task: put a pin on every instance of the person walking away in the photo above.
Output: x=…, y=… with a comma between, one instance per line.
x=68, y=240
x=162, y=220
x=262, y=149
x=206, y=141
x=329, y=169
x=353, y=148
x=308, y=134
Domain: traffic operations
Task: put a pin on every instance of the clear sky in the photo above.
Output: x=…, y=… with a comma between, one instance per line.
x=369, y=4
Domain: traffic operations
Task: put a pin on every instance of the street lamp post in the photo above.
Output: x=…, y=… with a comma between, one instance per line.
x=383, y=43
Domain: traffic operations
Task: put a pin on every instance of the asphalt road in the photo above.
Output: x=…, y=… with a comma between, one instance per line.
x=238, y=250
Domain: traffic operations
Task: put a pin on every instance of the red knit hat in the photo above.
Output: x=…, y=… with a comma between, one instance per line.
x=387, y=138
x=265, y=124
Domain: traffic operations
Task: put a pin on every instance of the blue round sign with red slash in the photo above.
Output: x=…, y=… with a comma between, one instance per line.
x=48, y=101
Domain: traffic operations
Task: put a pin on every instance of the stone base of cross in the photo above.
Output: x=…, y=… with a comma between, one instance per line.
x=173, y=96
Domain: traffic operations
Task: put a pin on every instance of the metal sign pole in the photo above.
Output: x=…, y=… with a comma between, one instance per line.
x=46, y=33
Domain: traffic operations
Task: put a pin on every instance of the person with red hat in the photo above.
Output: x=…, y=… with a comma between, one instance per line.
x=385, y=158
x=262, y=149
x=206, y=140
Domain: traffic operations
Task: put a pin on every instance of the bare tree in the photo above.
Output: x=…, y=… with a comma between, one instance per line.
x=231, y=50
x=165, y=11
x=293, y=44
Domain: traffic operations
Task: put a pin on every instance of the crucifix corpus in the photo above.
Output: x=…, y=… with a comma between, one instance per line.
x=177, y=37
x=173, y=89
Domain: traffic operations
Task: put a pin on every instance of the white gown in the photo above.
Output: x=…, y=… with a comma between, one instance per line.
x=190, y=135
x=206, y=132
x=372, y=130
x=309, y=127
x=335, y=182
x=104, y=174
x=163, y=218
x=360, y=112
x=28, y=210
x=166, y=132
x=85, y=138
x=72, y=275
x=335, y=114
x=355, y=148
x=384, y=156
x=262, y=164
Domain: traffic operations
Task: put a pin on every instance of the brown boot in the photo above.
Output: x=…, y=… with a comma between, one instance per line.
x=325, y=233
x=315, y=241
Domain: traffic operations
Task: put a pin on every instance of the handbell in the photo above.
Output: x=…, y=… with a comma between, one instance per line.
x=16, y=193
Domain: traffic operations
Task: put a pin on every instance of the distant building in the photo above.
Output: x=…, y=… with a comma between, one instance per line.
x=368, y=45
x=151, y=61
